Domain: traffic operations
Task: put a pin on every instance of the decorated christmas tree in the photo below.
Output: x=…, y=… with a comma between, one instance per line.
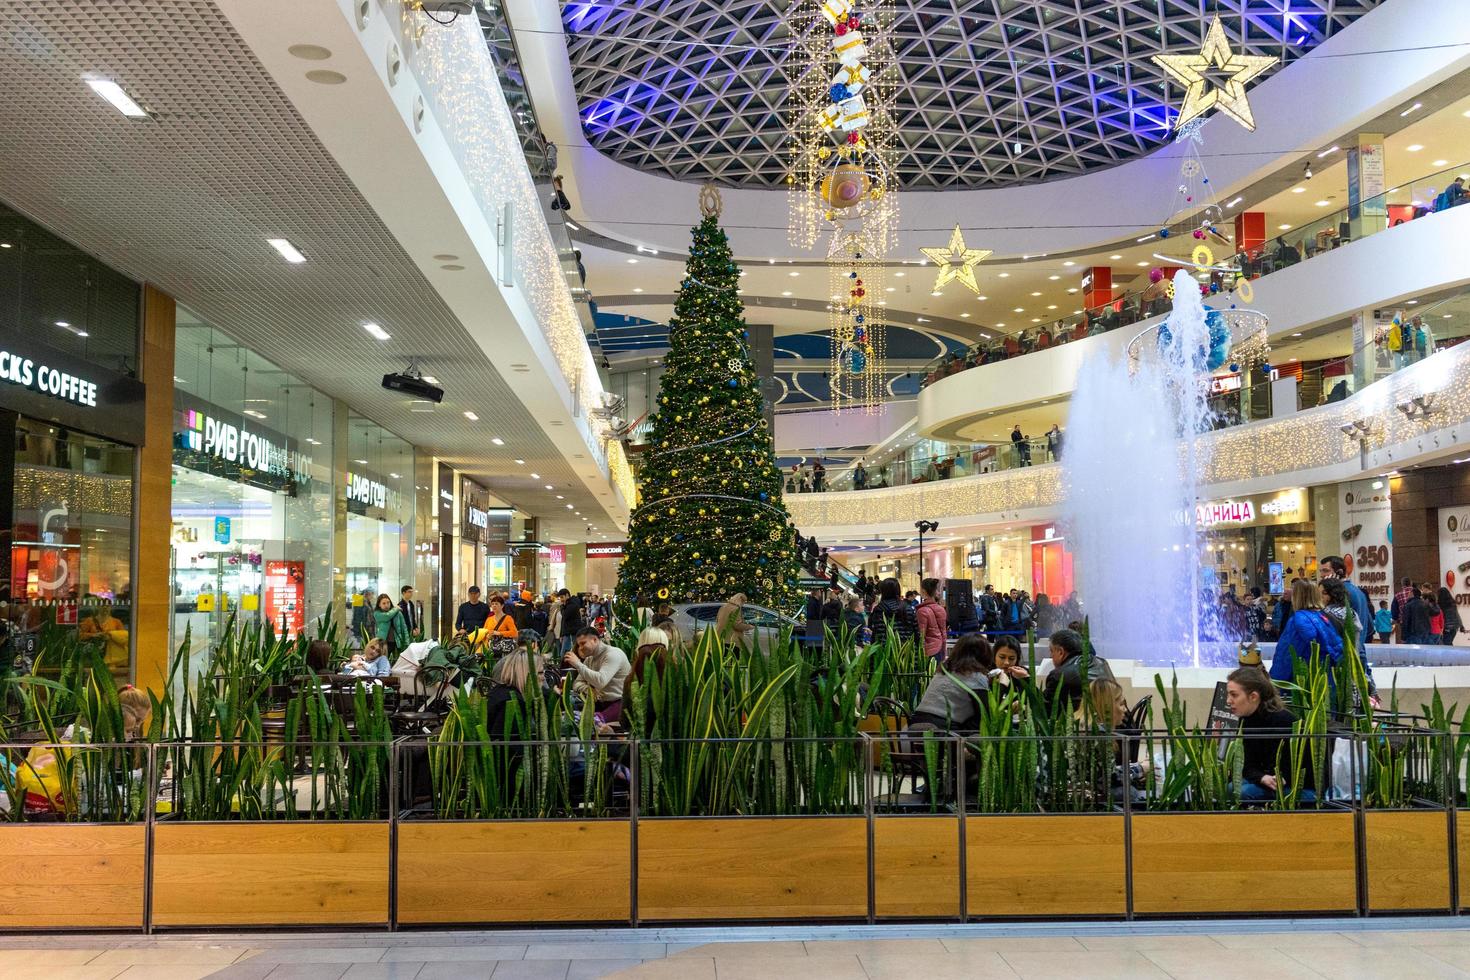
x=710, y=521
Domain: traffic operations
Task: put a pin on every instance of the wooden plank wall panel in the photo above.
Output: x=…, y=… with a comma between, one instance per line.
x=753, y=868
x=916, y=866
x=153, y=597
x=59, y=876
x=1408, y=860
x=252, y=874
x=1047, y=865
x=1191, y=863
x=514, y=872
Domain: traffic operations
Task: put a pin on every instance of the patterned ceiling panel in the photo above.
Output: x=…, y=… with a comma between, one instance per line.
x=990, y=92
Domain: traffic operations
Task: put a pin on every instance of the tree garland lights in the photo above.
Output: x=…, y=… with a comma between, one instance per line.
x=710, y=520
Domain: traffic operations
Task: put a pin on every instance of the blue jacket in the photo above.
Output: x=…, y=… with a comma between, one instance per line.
x=1358, y=599
x=1306, y=626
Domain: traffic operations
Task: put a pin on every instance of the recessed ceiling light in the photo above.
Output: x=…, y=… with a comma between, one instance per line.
x=558, y=496
x=982, y=297
x=1439, y=163
x=964, y=316
x=785, y=292
x=549, y=487
x=1413, y=302
x=288, y=251
x=1283, y=227
x=1069, y=263
x=1296, y=335
x=472, y=416
x=254, y=414
x=1143, y=263
x=1115, y=257
x=116, y=97
x=62, y=323
x=1000, y=324
x=376, y=331
x=4, y=244
x=889, y=289
x=1298, y=190
x=520, y=462
x=1330, y=149
x=1231, y=204
x=936, y=293
x=1052, y=306
x=1005, y=275
x=1145, y=238
x=899, y=275
x=1019, y=309
x=1035, y=294
x=1072, y=290
x=793, y=273
x=498, y=441
x=637, y=289
x=1414, y=147
x=569, y=506
x=1036, y=319
x=314, y=442
x=1413, y=108
x=1322, y=204
x=431, y=379
x=632, y=261
x=1053, y=278
x=361, y=462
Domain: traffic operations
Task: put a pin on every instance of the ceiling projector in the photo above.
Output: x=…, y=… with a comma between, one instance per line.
x=415, y=385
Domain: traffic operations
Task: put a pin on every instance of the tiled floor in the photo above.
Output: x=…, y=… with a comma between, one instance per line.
x=1311, y=949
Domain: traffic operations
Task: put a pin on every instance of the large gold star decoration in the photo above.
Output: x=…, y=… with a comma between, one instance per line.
x=1188, y=70
x=956, y=262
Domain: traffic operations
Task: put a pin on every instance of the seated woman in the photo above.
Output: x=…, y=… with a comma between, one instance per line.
x=1007, y=672
x=1264, y=721
x=371, y=662
x=955, y=695
x=649, y=660
x=1104, y=709
x=508, y=681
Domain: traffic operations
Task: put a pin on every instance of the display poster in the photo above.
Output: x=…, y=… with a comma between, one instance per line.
x=1222, y=721
x=1276, y=577
x=1365, y=519
x=497, y=573
x=1454, y=553
x=285, y=596
x=222, y=530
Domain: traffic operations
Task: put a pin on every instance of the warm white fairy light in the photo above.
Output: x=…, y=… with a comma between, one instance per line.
x=462, y=90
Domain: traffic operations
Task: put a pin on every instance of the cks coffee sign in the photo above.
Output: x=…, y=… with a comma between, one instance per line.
x=51, y=384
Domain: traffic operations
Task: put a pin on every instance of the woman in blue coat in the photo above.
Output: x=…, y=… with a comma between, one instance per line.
x=1307, y=626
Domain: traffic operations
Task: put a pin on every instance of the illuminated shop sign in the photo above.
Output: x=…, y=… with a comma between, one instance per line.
x=234, y=444
x=607, y=549
x=1281, y=505
x=367, y=491
x=477, y=517
x=1224, y=512
x=1281, y=508
x=26, y=373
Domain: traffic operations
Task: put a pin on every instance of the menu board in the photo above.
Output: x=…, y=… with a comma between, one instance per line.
x=285, y=596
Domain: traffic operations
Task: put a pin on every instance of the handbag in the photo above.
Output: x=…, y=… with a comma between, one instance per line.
x=500, y=644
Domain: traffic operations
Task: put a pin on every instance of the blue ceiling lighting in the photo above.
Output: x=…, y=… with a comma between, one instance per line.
x=698, y=91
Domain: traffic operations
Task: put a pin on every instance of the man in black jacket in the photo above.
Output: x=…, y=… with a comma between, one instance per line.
x=1067, y=648
x=413, y=616
x=571, y=618
x=472, y=613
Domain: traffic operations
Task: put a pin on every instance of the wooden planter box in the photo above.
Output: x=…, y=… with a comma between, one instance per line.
x=1408, y=858
x=1462, y=833
x=707, y=868
x=71, y=876
x=1045, y=865
x=287, y=873
x=916, y=867
x=491, y=872
x=1191, y=863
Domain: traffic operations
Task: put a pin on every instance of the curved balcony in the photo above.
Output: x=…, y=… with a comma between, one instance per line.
x=1305, y=448
x=979, y=404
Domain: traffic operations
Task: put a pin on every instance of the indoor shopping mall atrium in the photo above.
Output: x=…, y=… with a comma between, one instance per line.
x=858, y=489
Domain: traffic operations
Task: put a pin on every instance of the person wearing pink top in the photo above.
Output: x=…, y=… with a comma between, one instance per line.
x=933, y=620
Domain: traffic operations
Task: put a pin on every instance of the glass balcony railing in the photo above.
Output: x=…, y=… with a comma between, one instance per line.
x=1425, y=327
x=1419, y=198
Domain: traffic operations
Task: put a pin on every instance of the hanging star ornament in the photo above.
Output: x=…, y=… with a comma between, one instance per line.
x=1229, y=95
x=956, y=262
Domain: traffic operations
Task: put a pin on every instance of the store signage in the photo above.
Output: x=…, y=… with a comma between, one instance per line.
x=285, y=596
x=607, y=549
x=975, y=559
x=18, y=369
x=46, y=383
x=365, y=490
x=1224, y=512
x=203, y=433
x=476, y=517
x=555, y=553
x=1281, y=505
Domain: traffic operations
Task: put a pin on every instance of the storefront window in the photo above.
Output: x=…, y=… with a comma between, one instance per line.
x=1244, y=536
x=379, y=490
x=69, y=515
x=252, y=491
x=60, y=296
